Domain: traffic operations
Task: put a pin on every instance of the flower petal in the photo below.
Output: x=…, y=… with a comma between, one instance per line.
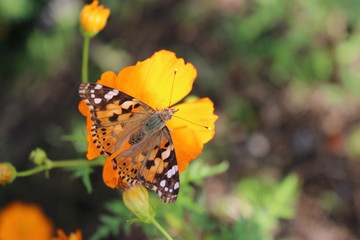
x=187, y=146
x=110, y=176
x=24, y=221
x=152, y=80
x=108, y=79
x=92, y=151
x=188, y=137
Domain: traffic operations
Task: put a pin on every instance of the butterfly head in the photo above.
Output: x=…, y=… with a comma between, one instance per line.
x=166, y=113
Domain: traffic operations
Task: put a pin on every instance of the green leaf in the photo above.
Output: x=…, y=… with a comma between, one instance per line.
x=84, y=174
x=270, y=200
x=115, y=223
x=198, y=170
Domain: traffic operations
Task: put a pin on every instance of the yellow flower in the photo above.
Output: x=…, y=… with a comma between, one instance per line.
x=136, y=199
x=7, y=173
x=93, y=18
x=24, y=221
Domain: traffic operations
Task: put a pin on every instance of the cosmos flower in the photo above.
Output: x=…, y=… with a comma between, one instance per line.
x=24, y=221
x=154, y=82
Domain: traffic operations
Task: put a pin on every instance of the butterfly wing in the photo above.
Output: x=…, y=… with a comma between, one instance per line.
x=115, y=116
x=152, y=162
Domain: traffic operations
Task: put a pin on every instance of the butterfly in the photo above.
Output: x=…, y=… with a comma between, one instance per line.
x=138, y=137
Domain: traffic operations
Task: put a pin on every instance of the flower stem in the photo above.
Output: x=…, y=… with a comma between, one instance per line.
x=77, y=162
x=61, y=164
x=161, y=229
x=31, y=171
x=85, y=60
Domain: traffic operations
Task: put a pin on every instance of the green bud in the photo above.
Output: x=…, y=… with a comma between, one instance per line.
x=136, y=199
x=38, y=156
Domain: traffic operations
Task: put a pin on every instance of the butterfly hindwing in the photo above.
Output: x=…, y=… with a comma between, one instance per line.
x=115, y=116
x=160, y=171
x=151, y=162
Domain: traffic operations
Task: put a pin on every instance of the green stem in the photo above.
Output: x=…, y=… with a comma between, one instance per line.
x=161, y=229
x=77, y=162
x=85, y=59
x=61, y=164
x=31, y=171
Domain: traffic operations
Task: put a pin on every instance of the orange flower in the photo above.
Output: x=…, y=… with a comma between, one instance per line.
x=24, y=221
x=93, y=17
x=73, y=236
x=151, y=82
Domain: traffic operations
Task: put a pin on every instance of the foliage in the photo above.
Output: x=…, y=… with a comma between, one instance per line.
x=269, y=202
x=282, y=69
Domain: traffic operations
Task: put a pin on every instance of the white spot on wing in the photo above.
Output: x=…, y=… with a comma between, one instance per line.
x=92, y=95
x=97, y=100
x=98, y=86
x=172, y=171
x=108, y=96
x=111, y=94
x=176, y=185
x=162, y=183
x=166, y=189
x=169, y=173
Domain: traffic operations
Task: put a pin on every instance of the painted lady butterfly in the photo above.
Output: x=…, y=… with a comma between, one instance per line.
x=121, y=121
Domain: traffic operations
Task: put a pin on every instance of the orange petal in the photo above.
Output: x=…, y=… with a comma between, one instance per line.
x=152, y=80
x=76, y=236
x=24, y=221
x=92, y=151
x=110, y=176
x=108, y=79
x=61, y=235
x=189, y=138
x=187, y=146
x=84, y=110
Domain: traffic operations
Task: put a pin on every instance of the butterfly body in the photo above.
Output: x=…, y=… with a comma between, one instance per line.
x=155, y=123
x=135, y=136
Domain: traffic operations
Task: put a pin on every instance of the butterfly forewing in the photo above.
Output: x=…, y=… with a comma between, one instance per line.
x=117, y=117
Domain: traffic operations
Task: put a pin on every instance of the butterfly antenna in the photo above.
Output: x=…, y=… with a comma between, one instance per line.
x=172, y=86
x=208, y=128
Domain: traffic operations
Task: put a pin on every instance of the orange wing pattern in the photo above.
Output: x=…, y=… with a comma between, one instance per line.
x=116, y=117
x=156, y=167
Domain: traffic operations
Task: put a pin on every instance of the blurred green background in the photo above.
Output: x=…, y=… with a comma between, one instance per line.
x=285, y=80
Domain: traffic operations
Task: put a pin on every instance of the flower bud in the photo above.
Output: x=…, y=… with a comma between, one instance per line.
x=93, y=18
x=136, y=199
x=7, y=173
x=38, y=156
